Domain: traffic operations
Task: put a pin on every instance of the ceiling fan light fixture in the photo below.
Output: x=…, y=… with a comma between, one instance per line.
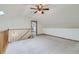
x=41, y=12
x=40, y=8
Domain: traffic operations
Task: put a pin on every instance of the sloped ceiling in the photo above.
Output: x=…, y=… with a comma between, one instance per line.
x=59, y=15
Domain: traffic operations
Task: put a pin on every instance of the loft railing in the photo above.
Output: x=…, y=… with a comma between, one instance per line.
x=19, y=34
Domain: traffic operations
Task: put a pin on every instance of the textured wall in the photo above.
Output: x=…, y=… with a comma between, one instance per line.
x=65, y=16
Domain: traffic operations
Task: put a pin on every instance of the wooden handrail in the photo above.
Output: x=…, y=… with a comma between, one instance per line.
x=21, y=29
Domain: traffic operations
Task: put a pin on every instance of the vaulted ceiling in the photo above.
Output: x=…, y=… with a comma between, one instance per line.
x=59, y=15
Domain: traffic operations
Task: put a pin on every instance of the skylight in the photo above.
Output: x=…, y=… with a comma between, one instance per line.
x=2, y=13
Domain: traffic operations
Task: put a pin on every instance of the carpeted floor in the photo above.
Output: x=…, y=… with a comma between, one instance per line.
x=43, y=44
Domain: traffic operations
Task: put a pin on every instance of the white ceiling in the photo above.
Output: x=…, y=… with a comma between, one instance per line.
x=59, y=15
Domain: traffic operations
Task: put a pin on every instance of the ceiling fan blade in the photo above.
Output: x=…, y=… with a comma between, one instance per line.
x=35, y=12
x=45, y=8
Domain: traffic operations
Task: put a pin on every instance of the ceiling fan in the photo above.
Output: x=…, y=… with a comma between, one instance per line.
x=40, y=8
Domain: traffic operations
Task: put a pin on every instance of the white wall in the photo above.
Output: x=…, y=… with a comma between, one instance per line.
x=63, y=32
x=15, y=23
x=65, y=16
x=39, y=28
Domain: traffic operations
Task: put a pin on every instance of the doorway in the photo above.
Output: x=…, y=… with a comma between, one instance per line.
x=34, y=28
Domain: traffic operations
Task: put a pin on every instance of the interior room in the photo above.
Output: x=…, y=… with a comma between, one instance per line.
x=39, y=28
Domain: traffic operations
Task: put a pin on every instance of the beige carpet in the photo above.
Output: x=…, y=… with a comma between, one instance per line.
x=43, y=44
